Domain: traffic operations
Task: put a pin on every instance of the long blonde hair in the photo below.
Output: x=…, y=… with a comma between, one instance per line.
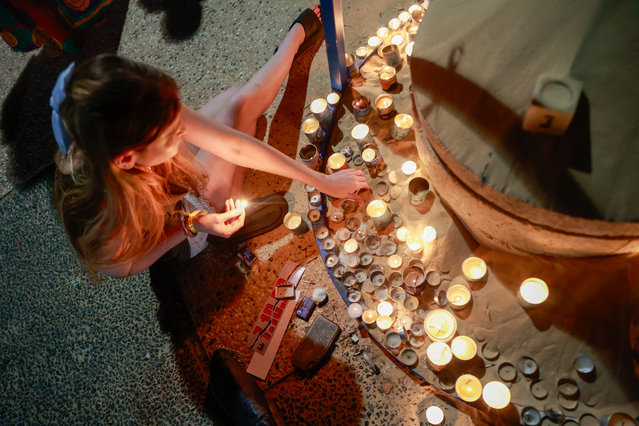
x=114, y=215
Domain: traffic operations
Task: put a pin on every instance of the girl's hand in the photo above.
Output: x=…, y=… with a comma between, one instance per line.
x=345, y=184
x=223, y=224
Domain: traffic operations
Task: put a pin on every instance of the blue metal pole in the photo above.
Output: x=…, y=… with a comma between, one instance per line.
x=332, y=18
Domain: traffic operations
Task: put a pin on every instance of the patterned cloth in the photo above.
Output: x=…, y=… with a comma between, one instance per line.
x=29, y=24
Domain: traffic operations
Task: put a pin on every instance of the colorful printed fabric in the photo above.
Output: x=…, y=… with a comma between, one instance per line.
x=28, y=24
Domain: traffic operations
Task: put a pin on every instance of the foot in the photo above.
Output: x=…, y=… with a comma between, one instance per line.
x=306, y=30
x=297, y=29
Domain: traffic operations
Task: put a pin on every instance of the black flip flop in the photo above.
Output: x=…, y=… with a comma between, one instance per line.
x=313, y=29
x=262, y=215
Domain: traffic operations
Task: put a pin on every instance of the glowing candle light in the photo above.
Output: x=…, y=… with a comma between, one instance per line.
x=311, y=128
x=409, y=167
x=434, y=415
x=243, y=204
x=336, y=161
x=361, y=133
x=458, y=296
x=384, y=104
x=440, y=325
x=429, y=235
x=332, y=99
x=369, y=155
x=361, y=52
x=379, y=213
x=415, y=243
x=293, y=222
x=395, y=261
x=404, y=16
x=351, y=246
x=439, y=355
x=383, y=33
x=463, y=347
x=496, y=395
x=397, y=40
x=413, y=8
x=409, y=48
x=468, y=387
x=319, y=108
x=385, y=308
x=387, y=77
x=402, y=234
x=474, y=269
x=355, y=310
x=394, y=24
x=401, y=126
x=369, y=316
x=374, y=42
x=532, y=292
x=416, y=12
x=384, y=322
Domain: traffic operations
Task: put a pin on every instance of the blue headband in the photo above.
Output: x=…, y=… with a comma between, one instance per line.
x=58, y=95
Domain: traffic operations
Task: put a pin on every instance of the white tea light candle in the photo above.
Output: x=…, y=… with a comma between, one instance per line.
x=434, y=415
x=333, y=99
x=374, y=42
x=362, y=135
x=496, y=395
x=361, y=52
x=369, y=316
x=415, y=244
x=532, y=292
x=440, y=325
x=351, y=246
x=409, y=48
x=429, y=235
x=409, y=167
x=402, y=234
x=385, y=308
x=464, y=348
x=293, y=222
x=395, y=261
x=319, y=108
x=439, y=355
x=383, y=33
x=458, y=296
x=404, y=16
x=387, y=77
x=394, y=24
x=474, y=269
x=384, y=322
x=468, y=387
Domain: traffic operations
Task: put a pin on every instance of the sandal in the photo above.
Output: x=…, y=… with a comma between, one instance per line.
x=262, y=215
x=313, y=29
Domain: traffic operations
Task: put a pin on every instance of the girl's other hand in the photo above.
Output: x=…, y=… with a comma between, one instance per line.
x=345, y=184
x=223, y=224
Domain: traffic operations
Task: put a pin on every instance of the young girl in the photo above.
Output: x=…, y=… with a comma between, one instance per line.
x=126, y=170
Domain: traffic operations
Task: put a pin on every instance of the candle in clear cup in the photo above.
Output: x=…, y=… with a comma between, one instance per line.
x=474, y=269
x=351, y=246
x=293, y=222
x=385, y=308
x=409, y=167
x=532, y=292
x=379, y=213
x=402, y=233
x=369, y=316
x=319, y=108
x=336, y=161
x=395, y=261
x=496, y=395
x=414, y=243
x=440, y=325
x=384, y=322
x=312, y=130
x=402, y=125
x=394, y=24
x=468, y=387
x=384, y=104
x=458, y=296
x=387, y=77
x=464, y=348
x=439, y=355
x=362, y=135
x=429, y=235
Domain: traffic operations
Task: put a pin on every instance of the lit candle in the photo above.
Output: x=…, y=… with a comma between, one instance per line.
x=429, y=235
x=361, y=52
x=402, y=126
x=404, y=16
x=336, y=161
x=458, y=296
x=387, y=77
x=414, y=243
x=351, y=246
x=319, y=108
x=463, y=347
x=384, y=322
x=440, y=325
x=439, y=355
x=362, y=135
x=311, y=128
x=411, y=30
x=395, y=261
x=398, y=40
x=532, y=292
x=409, y=48
x=379, y=213
x=468, y=387
x=310, y=156
x=402, y=234
x=434, y=415
x=332, y=99
x=374, y=42
x=355, y=310
x=293, y=222
x=416, y=12
x=369, y=316
x=385, y=106
x=409, y=167
x=383, y=33
x=369, y=155
x=385, y=308
x=474, y=269
x=243, y=204
x=496, y=394
x=394, y=24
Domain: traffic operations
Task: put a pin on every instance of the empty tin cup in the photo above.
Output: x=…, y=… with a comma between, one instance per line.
x=418, y=189
x=310, y=156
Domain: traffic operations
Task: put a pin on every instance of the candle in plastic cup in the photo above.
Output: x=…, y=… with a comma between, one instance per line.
x=409, y=167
